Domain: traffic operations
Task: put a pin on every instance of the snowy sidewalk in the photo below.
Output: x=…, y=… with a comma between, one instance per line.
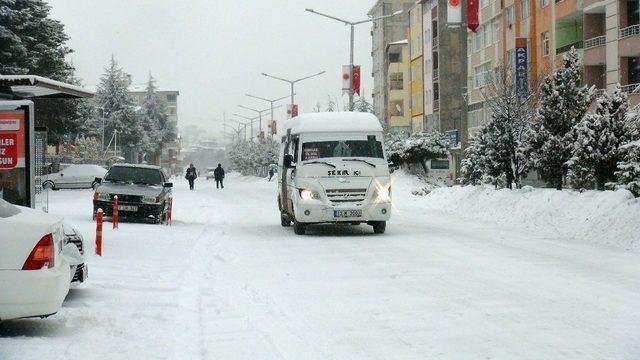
x=227, y=282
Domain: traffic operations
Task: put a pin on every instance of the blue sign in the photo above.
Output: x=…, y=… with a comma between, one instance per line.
x=522, y=68
x=454, y=136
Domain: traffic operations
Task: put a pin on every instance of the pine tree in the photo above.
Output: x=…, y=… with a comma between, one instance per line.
x=154, y=119
x=362, y=105
x=628, y=173
x=599, y=137
x=563, y=103
x=116, y=106
x=33, y=43
x=422, y=147
x=89, y=148
x=474, y=164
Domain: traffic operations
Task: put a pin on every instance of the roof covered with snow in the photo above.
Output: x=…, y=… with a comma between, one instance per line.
x=334, y=122
x=31, y=86
x=141, y=166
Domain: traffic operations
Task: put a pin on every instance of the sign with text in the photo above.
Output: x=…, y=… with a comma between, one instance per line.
x=13, y=150
x=522, y=66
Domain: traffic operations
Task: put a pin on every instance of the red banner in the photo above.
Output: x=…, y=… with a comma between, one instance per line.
x=356, y=79
x=472, y=14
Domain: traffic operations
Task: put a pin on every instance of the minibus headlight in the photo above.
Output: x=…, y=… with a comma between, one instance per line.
x=309, y=195
x=383, y=193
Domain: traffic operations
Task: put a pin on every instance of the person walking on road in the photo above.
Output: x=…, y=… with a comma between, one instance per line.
x=192, y=175
x=218, y=174
x=272, y=172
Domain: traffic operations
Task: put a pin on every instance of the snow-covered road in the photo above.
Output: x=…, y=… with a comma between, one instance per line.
x=227, y=282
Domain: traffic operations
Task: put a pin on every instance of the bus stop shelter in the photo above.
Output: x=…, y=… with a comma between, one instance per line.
x=22, y=151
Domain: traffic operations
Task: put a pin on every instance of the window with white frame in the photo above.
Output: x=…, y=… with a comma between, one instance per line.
x=482, y=75
x=479, y=39
x=510, y=17
x=546, y=47
x=487, y=35
x=525, y=8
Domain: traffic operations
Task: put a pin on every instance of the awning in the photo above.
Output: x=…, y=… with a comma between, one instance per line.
x=30, y=87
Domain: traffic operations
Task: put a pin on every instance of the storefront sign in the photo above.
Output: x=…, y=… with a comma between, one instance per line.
x=13, y=149
x=522, y=66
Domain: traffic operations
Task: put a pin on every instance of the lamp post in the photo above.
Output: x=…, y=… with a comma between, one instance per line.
x=259, y=112
x=293, y=82
x=245, y=128
x=251, y=120
x=353, y=24
x=271, y=102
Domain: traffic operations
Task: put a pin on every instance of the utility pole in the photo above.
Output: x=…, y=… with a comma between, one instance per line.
x=352, y=25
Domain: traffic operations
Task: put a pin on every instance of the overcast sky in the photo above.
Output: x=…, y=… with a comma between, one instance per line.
x=213, y=51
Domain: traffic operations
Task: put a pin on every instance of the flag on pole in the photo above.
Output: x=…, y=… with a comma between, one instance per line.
x=346, y=79
x=356, y=79
x=454, y=12
x=472, y=15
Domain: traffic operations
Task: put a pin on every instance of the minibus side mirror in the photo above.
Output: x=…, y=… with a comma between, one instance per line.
x=288, y=161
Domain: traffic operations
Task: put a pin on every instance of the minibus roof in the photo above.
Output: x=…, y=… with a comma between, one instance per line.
x=334, y=122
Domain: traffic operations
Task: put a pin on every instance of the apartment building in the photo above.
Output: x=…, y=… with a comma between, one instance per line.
x=170, y=97
x=384, y=32
x=445, y=77
x=416, y=71
x=398, y=87
x=612, y=45
x=485, y=53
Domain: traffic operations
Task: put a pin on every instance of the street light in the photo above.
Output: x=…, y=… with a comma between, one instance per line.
x=259, y=112
x=352, y=24
x=250, y=119
x=271, y=102
x=245, y=128
x=293, y=82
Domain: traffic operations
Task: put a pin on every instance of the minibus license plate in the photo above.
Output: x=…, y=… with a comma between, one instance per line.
x=127, y=208
x=347, y=213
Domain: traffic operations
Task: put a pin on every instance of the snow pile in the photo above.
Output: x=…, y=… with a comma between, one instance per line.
x=415, y=184
x=609, y=217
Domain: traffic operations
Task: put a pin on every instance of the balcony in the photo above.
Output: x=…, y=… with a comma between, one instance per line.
x=595, y=51
x=436, y=75
x=434, y=43
x=629, y=44
x=564, y=49
x=633, y=92
x=436, y=104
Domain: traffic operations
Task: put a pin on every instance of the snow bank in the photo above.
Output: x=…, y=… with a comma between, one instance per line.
x=610, y=217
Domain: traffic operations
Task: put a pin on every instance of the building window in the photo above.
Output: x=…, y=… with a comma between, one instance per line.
x=510, y=17
x=487, y=35
x=396, y=81
x=545, y=3
x=482, y=75
x=525, y=7
x=394, y=58
x=496, y=31
x=396, y=108
x=172, y=97
x=546, y=48
x=484, y=3
x=479, y=39
x=511, y=59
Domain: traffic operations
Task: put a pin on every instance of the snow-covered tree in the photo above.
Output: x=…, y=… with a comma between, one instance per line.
x=422, y=147
x=505, y=136
x=628, y=173
x=116, y=106
x=158, y=128
x=249, y=156
x=598, y=140
x=331, y=105
x=89, y=148
x=362, y=105
x=473, y=166
x=395, y=145
x=563, y=103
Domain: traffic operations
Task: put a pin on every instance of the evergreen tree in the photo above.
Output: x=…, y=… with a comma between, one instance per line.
x=331, y=105
x=628, y=173
x=153, y=117
x=89, y=148
x=507, y=132
x=422, y=147
x=563, y=103
x=599, y=137
x=474, y=164
x=33, y=43
x=116, y=106
x=362, y=105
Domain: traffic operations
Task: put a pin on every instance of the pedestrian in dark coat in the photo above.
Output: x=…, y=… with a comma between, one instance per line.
x=192, y=175
x=218, y=174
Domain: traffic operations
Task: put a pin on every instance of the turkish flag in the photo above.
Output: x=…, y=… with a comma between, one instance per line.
x=356, y=79
x=472, y=14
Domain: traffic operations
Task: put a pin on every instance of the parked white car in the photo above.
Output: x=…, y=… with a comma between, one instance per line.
x=35, y=264
x=74, y=177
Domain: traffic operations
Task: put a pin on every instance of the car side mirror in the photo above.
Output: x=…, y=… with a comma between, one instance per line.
x=168, y=185
x=98, y=180
x=288, y=161
x=71, y=254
